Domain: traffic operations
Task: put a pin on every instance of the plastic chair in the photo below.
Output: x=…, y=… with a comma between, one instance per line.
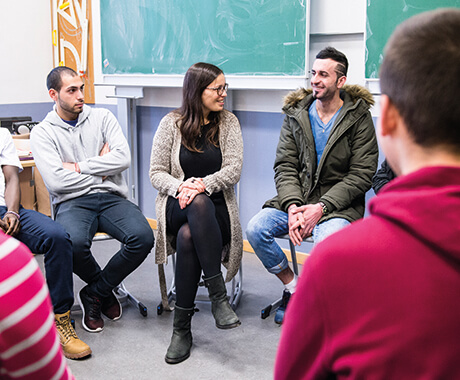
x=265, y=312
x=236, y=289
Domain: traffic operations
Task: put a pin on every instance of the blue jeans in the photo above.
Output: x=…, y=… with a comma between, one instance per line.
x=42, y=235
x=82, y=217
x=269, y=223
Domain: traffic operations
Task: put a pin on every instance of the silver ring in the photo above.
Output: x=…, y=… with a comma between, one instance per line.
x=187, y=196
x=193, y=181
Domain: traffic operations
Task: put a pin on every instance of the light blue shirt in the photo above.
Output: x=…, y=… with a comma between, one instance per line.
x=320, y=130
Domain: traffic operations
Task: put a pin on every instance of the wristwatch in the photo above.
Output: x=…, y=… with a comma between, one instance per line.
x=324, y=207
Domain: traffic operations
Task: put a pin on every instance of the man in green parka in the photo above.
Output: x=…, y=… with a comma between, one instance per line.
x=325, y=160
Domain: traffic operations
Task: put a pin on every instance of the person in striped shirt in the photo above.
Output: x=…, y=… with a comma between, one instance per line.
x=29, y=344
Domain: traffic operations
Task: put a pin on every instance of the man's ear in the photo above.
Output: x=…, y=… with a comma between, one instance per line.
x=389, y=116
x=53, y=94
x=341, y=81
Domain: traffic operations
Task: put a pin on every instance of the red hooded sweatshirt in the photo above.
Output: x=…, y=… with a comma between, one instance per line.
x=381, y=298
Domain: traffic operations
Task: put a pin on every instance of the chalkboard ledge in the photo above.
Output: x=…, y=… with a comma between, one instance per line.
x=235, y=81
x=373, y=85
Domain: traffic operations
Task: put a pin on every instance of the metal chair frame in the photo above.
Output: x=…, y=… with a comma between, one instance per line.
x=236, y=289
x=265, y=312
x=122, y=293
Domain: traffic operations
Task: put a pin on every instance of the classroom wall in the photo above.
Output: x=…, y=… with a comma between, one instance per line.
x=26, y=38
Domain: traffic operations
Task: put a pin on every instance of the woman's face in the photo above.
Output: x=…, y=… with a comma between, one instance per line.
x=212, y=101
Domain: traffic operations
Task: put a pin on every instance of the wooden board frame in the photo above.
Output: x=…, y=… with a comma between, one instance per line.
x=72, y=40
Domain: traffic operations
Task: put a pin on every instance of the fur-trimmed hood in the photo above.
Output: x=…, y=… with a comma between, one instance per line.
x=355, y=92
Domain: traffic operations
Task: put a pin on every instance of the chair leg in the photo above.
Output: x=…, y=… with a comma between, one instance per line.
x=172, y=288
x=123, y=296
x=121, y=291
x=265, y=312
x=237, y=289
x=293, y=258
x=235, y=293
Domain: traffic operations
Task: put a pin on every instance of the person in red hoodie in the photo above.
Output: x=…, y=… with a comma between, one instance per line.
x=380, y=298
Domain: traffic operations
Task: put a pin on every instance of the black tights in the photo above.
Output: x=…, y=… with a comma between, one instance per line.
x=198, y=247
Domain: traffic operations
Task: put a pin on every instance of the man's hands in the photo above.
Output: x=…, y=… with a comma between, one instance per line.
x=73, y=166
x=10, y=224
x=105, y=149
x=302, y=220
x=70, y=166
x=188, y=190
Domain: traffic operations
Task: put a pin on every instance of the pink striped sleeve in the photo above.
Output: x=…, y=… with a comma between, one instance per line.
x=29, y=344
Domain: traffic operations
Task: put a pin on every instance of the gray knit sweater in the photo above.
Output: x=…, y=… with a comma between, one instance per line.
x=166, y=175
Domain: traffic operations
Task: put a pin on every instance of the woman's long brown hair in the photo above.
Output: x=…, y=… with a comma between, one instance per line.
x=198, y=77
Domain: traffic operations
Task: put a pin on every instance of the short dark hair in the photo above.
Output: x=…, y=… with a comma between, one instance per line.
x=54, y=78
x=197, y=78
x=420, y=73
x=337, y=56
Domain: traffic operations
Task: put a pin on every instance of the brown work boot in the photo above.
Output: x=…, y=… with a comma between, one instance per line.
x=73, y=347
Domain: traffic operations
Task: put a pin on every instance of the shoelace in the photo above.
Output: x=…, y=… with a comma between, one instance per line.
x=95, y=309
x=66, y=328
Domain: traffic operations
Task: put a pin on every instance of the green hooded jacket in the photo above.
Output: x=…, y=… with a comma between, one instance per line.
x=344, y=173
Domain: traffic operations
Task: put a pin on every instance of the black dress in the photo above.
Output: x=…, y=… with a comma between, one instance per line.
x=200, y=165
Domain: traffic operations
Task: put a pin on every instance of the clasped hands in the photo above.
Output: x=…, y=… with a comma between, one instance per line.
x=188, y=190
x=302, y=220
x=10, y=224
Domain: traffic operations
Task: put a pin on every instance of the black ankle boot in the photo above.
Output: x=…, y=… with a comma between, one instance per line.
x=181, y=340
x=223, y=313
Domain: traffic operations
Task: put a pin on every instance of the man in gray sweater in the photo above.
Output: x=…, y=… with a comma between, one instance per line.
x=81, y=153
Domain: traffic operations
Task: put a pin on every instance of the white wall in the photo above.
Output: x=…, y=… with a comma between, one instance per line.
x=337, y=16
x=26, y=51
x=25, y=43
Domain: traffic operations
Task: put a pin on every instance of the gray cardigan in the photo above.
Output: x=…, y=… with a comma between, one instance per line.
x=166, y=176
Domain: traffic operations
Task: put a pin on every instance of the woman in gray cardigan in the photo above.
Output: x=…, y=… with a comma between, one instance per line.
x=196, y=160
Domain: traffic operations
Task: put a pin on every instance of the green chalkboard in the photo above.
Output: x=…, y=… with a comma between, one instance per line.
x=242, y=37
x=382, y=18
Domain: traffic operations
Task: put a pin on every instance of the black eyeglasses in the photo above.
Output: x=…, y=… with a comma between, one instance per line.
x=220, y=90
